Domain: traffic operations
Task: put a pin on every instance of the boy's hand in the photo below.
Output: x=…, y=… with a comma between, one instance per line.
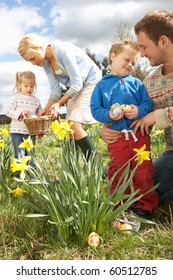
x=117, y=116
x=131, y=113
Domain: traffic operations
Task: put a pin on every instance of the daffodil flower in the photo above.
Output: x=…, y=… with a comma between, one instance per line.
x=27, y=144
x=4, y=132
x=62, y=129
x=20, y=165
x=142, y=154
x=2, y=144
x=18, y=192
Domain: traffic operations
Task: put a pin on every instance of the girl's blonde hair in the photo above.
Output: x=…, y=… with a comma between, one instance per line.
x=29, y=44
x=118, y=47
x=21, y=76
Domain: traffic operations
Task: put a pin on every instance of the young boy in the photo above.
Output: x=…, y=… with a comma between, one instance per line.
x=130, y=95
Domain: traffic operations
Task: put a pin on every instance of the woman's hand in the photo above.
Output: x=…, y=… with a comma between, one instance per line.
x=54, y=110
x=43, y=113
x=110, y=135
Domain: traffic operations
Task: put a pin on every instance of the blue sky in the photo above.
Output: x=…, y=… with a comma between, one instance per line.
x=86, y=23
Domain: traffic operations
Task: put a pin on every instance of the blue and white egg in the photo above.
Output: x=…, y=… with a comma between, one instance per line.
x=116, y=110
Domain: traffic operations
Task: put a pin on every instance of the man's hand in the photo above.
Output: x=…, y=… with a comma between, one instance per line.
x=110, y=135
x=144, y=123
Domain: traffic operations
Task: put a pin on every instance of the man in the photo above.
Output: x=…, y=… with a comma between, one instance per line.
x=155, y=38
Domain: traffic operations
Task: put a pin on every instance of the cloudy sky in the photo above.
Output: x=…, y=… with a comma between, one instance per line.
x=87, y=23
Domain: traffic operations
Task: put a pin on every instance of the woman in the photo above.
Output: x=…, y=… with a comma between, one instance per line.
x=65, y=63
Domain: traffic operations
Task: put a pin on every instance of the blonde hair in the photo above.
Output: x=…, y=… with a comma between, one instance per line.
x=28, y=44
x=118, y=47
x=20, y=76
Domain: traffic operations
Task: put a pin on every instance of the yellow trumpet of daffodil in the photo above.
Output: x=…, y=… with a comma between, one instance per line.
x=27, y=144
x=142, y=154
x=18, y=192
x=20, y=165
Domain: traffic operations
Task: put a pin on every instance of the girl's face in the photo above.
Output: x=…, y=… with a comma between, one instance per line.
x=123, y=63
x=27, y=86
x=36, y=57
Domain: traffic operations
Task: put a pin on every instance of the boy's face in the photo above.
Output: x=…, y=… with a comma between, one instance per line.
x=154, y=53
x=123, y=63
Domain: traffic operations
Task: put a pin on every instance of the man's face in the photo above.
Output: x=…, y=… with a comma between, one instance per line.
x=149, y=49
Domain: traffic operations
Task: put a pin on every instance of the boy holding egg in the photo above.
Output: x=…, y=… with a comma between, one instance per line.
x=119, y=99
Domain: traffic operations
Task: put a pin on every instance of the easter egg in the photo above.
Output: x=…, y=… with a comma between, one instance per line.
x=126, y=227
x=116, y=224
x=116, y=110
x=125, y=107
x=32, y=116
x=93, y=240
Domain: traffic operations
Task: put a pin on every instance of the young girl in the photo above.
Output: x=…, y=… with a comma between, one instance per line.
x=65, y=63
x=22, y=104
x=120, y=87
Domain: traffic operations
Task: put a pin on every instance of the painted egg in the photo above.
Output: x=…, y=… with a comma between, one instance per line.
x=116, y=110
x=125, y=107
x=116, y=224
x=125, y=227
x=93, y=240
x=33, y=116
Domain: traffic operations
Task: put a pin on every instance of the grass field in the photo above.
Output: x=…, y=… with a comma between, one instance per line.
x=64, y=198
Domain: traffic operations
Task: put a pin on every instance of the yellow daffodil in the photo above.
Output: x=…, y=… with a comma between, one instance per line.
x=20, y=165
x=100, y=140
x=2, y=144
x=158, y=132
x=62, y=129
x=142, y=154
x=27, y=144
x=4, y=132
x=18, y=192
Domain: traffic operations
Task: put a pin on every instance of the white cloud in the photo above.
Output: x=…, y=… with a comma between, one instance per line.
x=15, y=22
x=88, y=23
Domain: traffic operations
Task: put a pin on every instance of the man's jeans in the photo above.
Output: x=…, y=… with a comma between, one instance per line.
x=163, y=174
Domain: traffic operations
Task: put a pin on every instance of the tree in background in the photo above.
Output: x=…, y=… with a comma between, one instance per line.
x=93, y=57
x=123, y=32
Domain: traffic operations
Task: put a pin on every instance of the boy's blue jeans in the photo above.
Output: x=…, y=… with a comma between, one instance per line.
x=163, y=174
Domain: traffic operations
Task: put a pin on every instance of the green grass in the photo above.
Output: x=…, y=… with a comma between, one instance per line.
x=23, y=238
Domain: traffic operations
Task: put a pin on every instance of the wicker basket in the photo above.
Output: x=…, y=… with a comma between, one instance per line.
x=39, y=125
